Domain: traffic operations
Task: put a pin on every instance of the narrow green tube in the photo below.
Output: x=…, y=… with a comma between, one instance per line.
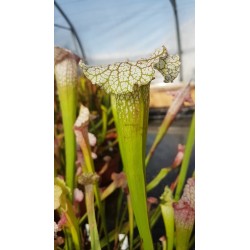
x=94, y=237
x=186, y=159
x=66, y=81
x=167, y=211
x=131, y=222
x=67, y=96
x=73, y=227
x=82, y=124
x=131, y=118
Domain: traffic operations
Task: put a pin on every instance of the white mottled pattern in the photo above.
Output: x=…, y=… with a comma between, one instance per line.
x=120, y=78
x=169, y=67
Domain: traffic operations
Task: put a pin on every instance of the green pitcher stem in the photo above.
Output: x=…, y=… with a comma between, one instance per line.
x=131, y=118
x=73, y=226
x=131, y=222
x=67, y=96
x=186, y=159
x=94, y=237
x=182, y=239
x=86, y=150
x=167, y=211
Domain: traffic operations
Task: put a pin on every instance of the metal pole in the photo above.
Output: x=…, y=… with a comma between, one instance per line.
x=73, y=30
x=173, y=2
x=61, y=26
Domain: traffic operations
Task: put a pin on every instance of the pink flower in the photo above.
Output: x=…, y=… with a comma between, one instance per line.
x=78, y=195
x=179, y=156
x=119, y=179
x=92, y=139
x=93, y=155
x=62, y=222
x=162, y=238
x=151, y=201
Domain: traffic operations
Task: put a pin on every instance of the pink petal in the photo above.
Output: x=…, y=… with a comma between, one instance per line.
x=78, y=195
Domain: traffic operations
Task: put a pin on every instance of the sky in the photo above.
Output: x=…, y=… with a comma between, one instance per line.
x=117, y=30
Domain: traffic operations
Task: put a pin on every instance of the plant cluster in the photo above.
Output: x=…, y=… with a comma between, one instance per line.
x=101, y=120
